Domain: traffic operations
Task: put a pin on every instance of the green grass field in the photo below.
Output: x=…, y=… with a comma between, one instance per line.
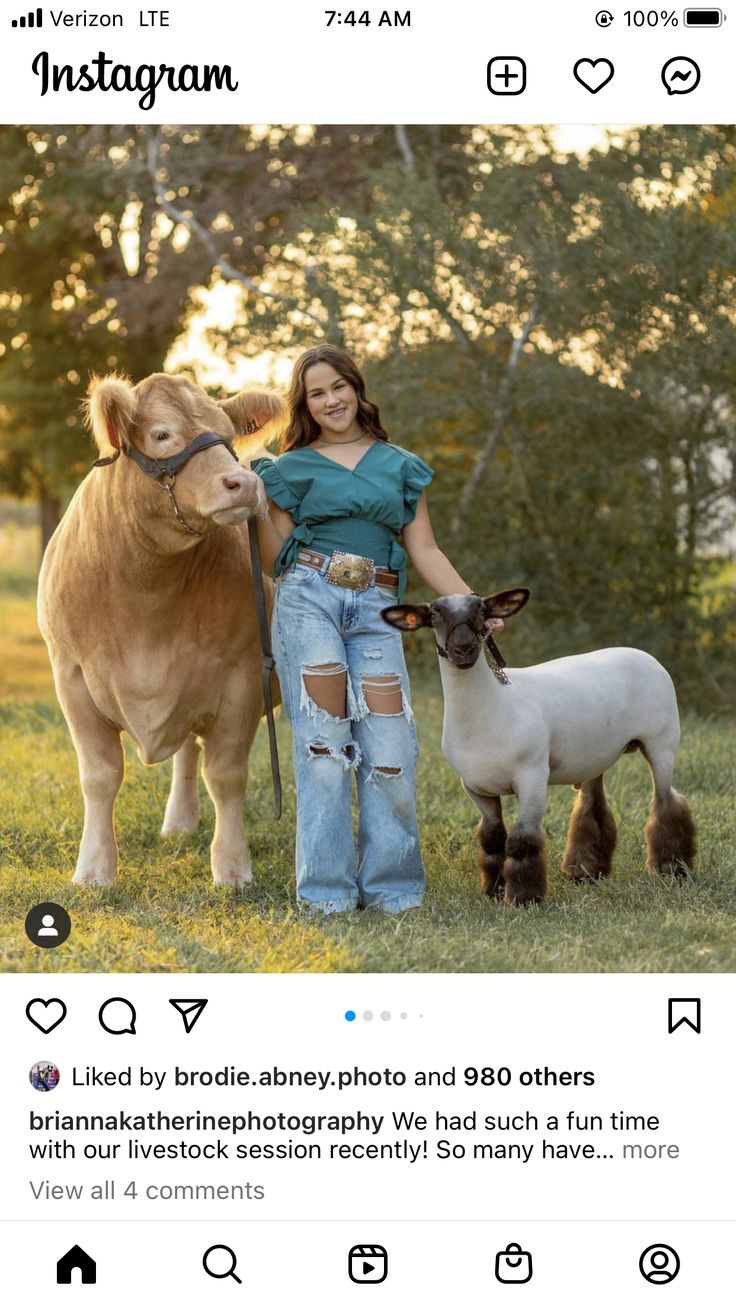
x=164, y=915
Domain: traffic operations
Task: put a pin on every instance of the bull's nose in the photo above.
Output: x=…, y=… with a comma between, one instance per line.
x=235, y=481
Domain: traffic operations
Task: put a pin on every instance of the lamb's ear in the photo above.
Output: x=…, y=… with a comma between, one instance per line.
x=259, y=417
x=505, y=603
x=408, y=617
x=111, y=406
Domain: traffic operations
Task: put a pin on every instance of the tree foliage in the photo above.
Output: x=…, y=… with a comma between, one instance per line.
x=553, y=330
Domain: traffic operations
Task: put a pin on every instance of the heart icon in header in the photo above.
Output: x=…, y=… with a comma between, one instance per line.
x=594, y=74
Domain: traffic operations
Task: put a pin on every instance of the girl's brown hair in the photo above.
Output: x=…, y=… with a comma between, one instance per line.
x=302, y=428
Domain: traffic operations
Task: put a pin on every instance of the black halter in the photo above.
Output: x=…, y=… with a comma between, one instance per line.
x=498, y=662
x=163, y=471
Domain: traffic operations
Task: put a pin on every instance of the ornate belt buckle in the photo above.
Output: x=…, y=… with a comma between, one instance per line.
x=351, y=570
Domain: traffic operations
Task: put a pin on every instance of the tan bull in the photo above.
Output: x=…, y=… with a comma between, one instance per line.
x=146, y=604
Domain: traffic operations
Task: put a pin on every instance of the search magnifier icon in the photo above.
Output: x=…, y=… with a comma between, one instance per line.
x=218, y=1266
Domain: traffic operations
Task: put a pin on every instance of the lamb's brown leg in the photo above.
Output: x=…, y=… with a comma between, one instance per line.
x=525, y=867
x=491, y=834
x=591, y=835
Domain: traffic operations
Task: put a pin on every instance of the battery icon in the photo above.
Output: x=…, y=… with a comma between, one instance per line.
x=703, y=17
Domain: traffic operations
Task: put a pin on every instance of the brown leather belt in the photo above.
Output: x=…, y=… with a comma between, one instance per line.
x=383, y=576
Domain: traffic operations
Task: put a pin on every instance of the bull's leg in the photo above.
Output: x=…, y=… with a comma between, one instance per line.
x=492, y=837
x=101, y=766
x=525, y=870
x=182, y=808
x=591, y=836
x=226, y=750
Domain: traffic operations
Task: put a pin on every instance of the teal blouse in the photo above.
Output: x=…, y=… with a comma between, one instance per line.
x=360, y=511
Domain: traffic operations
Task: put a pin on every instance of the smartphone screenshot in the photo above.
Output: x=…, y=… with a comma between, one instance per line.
x=367, y=650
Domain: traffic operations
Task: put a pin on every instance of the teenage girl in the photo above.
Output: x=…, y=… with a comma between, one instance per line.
x=340, y=495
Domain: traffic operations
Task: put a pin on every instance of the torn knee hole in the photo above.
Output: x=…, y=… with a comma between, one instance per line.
x=325, y=685
x=378, y=770
x=347, y=750
x=383, y=694
x=348, y=755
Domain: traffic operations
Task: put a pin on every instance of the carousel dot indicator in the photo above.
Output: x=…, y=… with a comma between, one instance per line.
x=385, y=1017
x=368, y=1016
x=350, y=1015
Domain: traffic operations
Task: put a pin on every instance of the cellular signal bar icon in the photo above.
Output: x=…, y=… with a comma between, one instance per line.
x=32, y=20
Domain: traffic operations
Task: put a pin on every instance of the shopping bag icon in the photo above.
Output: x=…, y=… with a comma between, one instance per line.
x=513, y=1265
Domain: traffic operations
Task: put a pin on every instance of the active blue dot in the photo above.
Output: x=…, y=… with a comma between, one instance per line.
x=350, y=1015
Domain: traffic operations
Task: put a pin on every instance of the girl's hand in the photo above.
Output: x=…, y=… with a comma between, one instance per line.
x=492, y=625
x=261, y=509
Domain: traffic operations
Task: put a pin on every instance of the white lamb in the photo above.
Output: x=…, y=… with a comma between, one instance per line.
x=558, y=723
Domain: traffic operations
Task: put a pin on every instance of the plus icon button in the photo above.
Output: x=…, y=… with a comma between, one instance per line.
x=506, y=75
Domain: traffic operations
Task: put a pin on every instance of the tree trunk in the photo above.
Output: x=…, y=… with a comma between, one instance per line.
x=49, y=515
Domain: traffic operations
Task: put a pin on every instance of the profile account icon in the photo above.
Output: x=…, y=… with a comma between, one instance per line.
x=659, y=1264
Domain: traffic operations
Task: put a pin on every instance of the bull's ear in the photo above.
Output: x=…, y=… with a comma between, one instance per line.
x=408, y=617
x=505, y=602
x=111, y=406
x=258, y=417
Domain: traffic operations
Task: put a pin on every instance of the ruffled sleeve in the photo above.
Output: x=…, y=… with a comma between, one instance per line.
x=417, y=475
x=277, y=487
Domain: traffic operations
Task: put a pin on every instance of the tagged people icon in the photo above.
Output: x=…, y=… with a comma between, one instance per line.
x=48, y=925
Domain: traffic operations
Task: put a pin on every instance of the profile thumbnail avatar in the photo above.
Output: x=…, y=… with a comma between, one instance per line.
x=44, y=1076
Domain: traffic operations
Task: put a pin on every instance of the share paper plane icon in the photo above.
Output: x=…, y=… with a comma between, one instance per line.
x=191, y=1010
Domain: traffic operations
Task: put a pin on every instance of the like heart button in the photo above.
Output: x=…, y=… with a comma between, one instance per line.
x=594, y=74
x=46, y=1013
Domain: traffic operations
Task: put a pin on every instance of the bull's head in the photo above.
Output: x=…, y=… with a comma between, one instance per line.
x=161, y=416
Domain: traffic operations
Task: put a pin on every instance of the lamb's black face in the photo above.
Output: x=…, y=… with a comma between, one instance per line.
x=458, y=623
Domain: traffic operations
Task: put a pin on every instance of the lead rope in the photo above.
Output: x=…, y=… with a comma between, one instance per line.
x=268, y=660
x=497, y=660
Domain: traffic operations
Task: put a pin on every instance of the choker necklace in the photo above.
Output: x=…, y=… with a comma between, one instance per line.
x=352, y=440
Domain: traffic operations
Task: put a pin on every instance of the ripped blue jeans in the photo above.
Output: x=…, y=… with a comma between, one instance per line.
x=316, y=623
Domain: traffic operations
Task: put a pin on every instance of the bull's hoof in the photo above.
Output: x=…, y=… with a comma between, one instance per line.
x=182, y=825
x=232, y=877
x=93, y=877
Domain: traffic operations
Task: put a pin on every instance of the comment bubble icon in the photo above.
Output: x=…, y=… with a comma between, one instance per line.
x=118, y=1016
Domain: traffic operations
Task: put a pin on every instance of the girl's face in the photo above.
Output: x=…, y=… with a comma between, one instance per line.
x=331, y=401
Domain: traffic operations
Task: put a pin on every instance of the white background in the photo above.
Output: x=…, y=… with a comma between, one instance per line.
x=292, y=68
x=586, y=1222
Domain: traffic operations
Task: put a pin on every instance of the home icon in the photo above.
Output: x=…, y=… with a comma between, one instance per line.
x=76, y=1258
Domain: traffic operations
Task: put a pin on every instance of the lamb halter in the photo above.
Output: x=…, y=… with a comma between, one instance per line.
x=496, y=658
x=163, y=471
